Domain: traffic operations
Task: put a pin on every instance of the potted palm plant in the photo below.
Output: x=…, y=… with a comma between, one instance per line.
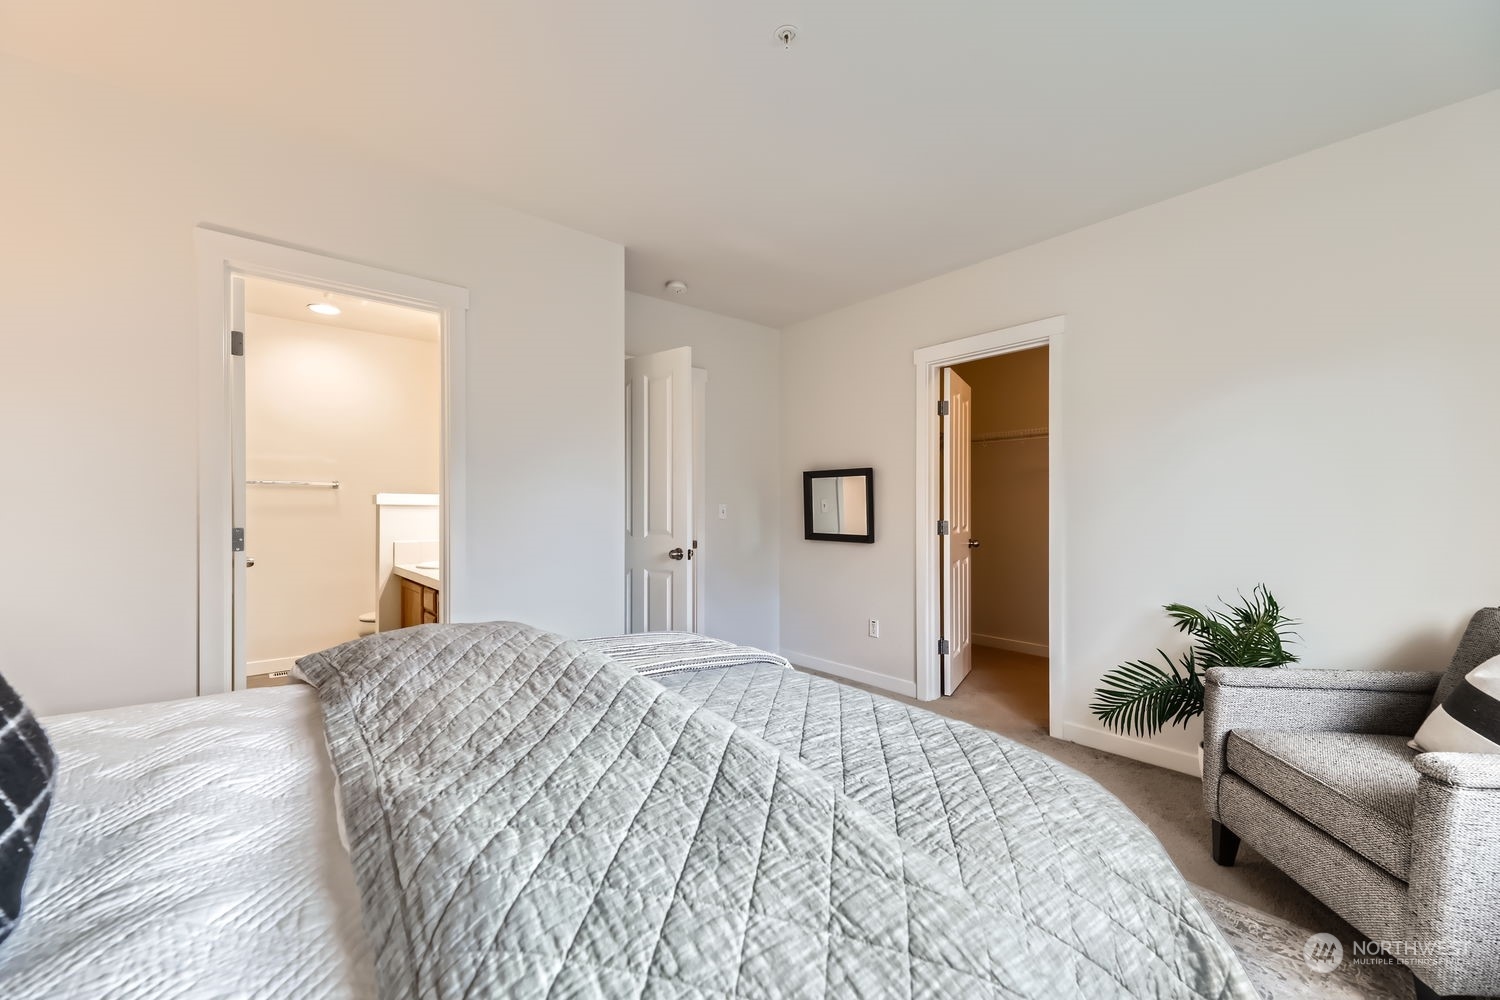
x=1141, y=697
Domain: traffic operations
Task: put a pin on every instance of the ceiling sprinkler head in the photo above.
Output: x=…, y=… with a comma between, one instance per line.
x=786, y=35
x=676, y=287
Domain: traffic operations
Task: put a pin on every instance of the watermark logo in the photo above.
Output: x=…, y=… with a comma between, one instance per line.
x=1323, y=953
x=1416, y=954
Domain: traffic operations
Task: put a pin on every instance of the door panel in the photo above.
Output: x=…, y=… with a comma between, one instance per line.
x=659, y=483
x=659, y=603
x=957, y=487
x=660, y=460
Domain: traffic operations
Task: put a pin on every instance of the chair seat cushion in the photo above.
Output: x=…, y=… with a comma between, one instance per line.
x=1358, y=789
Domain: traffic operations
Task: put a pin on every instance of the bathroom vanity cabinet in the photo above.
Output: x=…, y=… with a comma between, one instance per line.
x=419, y=604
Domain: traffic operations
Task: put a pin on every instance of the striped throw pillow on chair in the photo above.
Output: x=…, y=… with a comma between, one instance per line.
x=1468, y=720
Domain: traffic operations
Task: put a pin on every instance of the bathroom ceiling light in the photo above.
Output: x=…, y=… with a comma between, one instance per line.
x=324, y=308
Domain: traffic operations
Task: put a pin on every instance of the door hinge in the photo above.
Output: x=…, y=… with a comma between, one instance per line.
x=944, y=648
x=237, y=343
x=942, y=407
x=237, y=539
x=942, y=527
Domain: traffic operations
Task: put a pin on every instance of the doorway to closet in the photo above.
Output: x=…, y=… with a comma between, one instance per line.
x=950, y=612
x=995, y=495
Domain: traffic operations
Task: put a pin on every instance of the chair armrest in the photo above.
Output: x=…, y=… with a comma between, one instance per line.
x=1330, y=701
x=1454, y=883
x=1462, y=770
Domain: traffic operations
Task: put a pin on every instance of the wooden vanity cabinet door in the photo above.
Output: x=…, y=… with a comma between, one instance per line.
x=411, y=603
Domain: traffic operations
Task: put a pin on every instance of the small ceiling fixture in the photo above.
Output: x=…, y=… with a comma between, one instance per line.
x=786, y=35
x=676, y=287
x=324, y=308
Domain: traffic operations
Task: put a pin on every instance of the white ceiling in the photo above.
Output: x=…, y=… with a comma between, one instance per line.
x=288, y=301
x=894, y=141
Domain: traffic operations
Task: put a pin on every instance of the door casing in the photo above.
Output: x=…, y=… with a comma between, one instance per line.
x=220, y=257
x=929, y=364
x=700, y=499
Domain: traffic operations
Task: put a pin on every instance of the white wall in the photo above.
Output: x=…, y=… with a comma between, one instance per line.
x=741, y=552
x=1289, y=376
x=326, y=402
x=98, y=348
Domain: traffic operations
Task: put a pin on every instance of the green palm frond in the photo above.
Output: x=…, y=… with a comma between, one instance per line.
x=1249, y=633
x=1139, y=698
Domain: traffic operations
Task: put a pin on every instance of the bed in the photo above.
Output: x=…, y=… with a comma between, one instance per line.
x=532, y=816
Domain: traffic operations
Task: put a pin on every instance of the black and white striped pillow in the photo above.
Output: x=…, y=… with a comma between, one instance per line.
x=28, y=769
x=1468, y=720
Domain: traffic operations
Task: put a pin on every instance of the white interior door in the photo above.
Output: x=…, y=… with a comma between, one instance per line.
x=239, y=625
x=958, y=561
x=659, y=492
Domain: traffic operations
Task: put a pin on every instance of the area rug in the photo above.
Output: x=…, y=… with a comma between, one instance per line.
x=1284, y=966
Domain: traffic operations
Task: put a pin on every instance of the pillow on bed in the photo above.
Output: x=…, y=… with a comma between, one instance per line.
x=27, y=771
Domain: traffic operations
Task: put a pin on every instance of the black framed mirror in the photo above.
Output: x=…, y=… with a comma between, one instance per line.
x=838, y=505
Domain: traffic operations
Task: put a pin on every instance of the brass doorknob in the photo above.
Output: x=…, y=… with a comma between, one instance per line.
x=676, y=553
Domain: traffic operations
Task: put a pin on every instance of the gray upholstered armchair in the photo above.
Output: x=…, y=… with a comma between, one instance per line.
x=1311, y=768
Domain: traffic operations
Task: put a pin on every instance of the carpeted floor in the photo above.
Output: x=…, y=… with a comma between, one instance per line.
x=1007, y=693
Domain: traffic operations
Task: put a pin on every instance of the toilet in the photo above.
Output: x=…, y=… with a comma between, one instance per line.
x=367, y=623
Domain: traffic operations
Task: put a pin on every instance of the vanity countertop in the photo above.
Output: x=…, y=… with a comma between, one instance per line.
x=426, y=577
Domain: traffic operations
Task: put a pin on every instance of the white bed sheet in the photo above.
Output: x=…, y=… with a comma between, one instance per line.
x=191, y=852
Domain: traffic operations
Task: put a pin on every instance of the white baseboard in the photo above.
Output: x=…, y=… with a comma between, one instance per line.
x=1014, y=645
x=1128, y=746
x=885, y=682
x=270, y=666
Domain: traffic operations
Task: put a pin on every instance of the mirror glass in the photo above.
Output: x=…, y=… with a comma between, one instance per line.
x=838, y=505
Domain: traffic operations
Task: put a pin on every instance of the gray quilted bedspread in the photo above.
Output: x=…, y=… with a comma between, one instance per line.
x=528, y=818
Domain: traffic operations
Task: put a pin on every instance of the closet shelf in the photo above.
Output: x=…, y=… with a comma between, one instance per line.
x=1021, y=435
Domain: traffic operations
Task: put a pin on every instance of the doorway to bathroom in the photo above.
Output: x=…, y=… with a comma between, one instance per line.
x=342, y=426
x=330, y=455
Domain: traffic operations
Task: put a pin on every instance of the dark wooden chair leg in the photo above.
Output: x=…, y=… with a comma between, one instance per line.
x=1225, y=844
x=1424, y=992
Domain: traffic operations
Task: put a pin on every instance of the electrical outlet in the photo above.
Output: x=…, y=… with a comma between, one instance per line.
x=723, y=511
x=874, y=628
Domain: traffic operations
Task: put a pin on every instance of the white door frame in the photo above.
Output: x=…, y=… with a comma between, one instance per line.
x=930, y=362
x=221, y=254
x=700, y=494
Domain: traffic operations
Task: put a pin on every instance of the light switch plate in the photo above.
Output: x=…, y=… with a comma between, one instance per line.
x=723, y=511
